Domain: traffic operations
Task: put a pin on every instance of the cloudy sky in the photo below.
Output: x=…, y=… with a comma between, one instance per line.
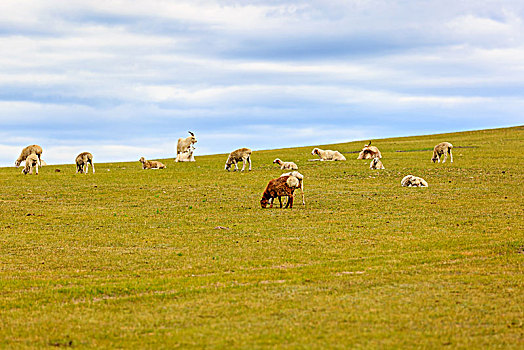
x=124, y=79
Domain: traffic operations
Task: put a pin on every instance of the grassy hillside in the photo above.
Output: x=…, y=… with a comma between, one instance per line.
x=133, y=258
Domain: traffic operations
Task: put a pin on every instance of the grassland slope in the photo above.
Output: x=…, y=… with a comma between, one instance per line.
x=131, y=258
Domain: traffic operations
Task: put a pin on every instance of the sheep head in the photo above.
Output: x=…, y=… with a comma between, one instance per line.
x=263, y=202
x=228, y=163
x=277, y=161
x=192, y=138
x=315, y=151
x=17, y=163
x=434, y=159
x=142, y=160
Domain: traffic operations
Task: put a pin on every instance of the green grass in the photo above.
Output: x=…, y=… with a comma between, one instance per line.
x=129, y=258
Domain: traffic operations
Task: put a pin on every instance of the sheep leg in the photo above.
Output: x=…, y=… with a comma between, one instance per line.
x=302, y=190
x=39, y=160
x=236, y=165
x=445, y=157
x=280, y=201
x=243, y=163
x=451, y=155
x=249, y=160
x=93, y=167
x=86, y=168
x=271, y=202
x=290, y=201
x=36, y=168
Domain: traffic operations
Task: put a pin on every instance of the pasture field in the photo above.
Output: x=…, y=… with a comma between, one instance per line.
x=132, y=258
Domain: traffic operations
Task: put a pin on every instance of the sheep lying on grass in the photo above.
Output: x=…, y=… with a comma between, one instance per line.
x=369, y=152
x=31, y=162
x=151, y=164
x=413, y=181
x=240, y=155
x=328, y=154
x=285, y=165
x=82, y=162
x=376, y=164
x=443, y=148
x=33, y=149
x=282, y=186
x=183, y=146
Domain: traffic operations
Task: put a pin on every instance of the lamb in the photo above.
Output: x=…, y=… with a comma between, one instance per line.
x=328, y=154
x=413, y=181
x=186, y=156
x=184, y=145
x=31, y=162
x=240, y=155
x=282, y=186
x=33, y=149
x=369, y=152
x=285, y=165
x=443, y=148
x=376, y=164
x=151, y=164
x=82, y=162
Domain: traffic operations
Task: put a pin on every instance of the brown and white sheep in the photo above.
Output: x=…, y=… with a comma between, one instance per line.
x=413, y=181
x=443, y=148
x=376, y=164
x=240, y=155
x=184, y=145
x=286, y=165
x=369, y=152
x=30, y=162
x=82, y=162
x=151, y=164
x=33, y=149
x=276, y=188
x=328, y=154
x=300, y=178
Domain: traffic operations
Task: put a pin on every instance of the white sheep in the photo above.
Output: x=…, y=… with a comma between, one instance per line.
x=183, y=146
x=369, y=152
x=286, y=165
x=443, y=148
x=328, y=154
x=82, y=163
x=376, y=164
x=151, y=164
x=186, y=156
x=240, y=155
x=31, y=162
x=33, y=149
x=413, y=181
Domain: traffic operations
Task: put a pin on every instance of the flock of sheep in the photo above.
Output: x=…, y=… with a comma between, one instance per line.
x=284, y=186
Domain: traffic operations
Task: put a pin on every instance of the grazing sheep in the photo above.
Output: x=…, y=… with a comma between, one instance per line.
x=31, y=162
x=82, y=162
x=328, y=154
x=183, y=146
x=240, y=155
x=376, y=164
x=369, y=152
x=285, y=165
x=33, y=149
x=282, y=186
x=186, y=156
x=443, y=148
x=300, y=178
x=413, y=181
x=151, y=164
